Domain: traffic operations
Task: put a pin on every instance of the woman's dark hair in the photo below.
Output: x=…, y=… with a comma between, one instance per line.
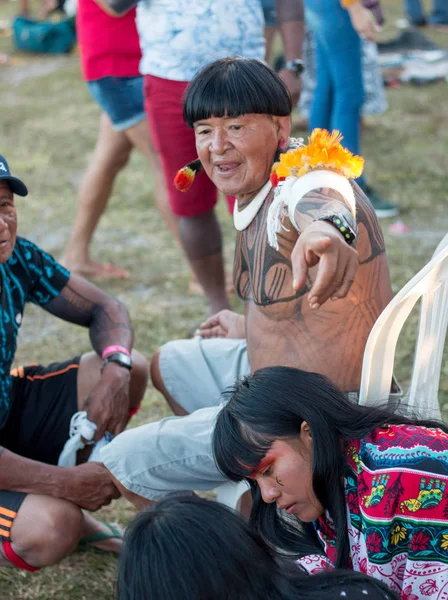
x=272, y=404
x=233, y=87
x=189, y=548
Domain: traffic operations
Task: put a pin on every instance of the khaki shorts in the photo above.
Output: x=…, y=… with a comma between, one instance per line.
x=175, y=454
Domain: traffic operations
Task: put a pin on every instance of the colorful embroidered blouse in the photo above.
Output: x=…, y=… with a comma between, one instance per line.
x=397, y=511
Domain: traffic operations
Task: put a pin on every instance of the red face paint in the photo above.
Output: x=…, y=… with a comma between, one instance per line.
x=262, y=466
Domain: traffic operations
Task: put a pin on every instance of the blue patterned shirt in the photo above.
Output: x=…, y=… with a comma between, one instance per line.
x=29, y=275
x=178, y=37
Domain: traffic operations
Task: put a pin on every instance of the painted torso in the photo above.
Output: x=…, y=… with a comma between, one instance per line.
x=281, y=328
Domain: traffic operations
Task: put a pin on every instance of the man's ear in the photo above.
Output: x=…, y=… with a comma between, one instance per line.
x=305, y=433
x=283, y=128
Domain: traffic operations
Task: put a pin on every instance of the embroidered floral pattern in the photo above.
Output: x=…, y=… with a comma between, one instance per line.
x=396, y=490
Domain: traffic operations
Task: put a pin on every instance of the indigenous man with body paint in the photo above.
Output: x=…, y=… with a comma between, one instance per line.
x=42, y=505
x=310, y=267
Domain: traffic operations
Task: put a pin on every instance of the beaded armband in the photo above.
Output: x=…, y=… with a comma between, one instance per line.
x=342, y=225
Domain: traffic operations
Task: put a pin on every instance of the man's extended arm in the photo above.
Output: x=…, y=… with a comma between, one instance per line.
x=107, y=318
x=321, y=203
x=290, y=23
x=84, y=304
x=320, y=243
x=89, y=486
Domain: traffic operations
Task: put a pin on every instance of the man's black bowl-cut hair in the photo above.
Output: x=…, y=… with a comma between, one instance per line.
x=235, y=86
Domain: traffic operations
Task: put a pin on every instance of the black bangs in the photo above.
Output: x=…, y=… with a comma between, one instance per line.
x=237, y=448
x=233, y=87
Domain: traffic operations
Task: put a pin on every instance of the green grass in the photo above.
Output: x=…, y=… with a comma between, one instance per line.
x=48, y=126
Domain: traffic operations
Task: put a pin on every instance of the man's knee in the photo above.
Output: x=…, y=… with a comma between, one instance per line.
x=154, y=369
x=46, y=530
x=158, y=383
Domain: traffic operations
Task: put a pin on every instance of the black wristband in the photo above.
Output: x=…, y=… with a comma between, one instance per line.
x=342, y=225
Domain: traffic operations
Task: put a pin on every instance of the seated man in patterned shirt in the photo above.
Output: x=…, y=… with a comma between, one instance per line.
x=43, y=506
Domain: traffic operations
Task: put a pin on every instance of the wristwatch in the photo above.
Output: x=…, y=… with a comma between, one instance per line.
x=295, y=65
x=342, y=225
x=120, y=358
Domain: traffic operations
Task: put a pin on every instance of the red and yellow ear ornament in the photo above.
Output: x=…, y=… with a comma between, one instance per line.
x=185, y=176
x=323, y=151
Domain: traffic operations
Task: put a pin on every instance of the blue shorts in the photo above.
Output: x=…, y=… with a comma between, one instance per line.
x=269, y=12
x=121, y=98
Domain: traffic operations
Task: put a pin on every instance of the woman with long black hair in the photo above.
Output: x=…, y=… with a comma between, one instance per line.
x=365, y=487
x=189, y=548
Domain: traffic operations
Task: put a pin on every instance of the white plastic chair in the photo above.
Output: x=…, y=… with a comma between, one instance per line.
x=431, y=285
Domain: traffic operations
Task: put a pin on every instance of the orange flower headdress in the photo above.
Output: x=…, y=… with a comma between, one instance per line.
x=323, y=151
x=323, y=162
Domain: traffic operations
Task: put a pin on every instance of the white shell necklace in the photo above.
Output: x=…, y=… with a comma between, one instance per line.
x=243, y=218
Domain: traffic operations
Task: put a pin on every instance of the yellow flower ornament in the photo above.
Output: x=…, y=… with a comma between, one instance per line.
x=323, y=151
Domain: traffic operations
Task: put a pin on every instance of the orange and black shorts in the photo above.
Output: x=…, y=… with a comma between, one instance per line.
x=44, y=399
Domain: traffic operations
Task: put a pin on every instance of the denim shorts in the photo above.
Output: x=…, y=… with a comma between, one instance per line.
x=269, y=12
x=121, y=98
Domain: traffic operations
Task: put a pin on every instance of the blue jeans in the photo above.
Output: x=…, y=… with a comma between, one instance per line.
x=439, y=15
x=339, y=91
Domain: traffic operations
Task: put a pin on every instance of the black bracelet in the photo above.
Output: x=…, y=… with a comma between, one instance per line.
x=342, y=225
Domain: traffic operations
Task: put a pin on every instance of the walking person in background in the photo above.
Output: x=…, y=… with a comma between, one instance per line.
x=337, y=26
x=110, y=55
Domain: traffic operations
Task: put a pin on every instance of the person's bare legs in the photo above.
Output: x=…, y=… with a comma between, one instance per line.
x=201, y=239
x=269, y=34
x=111, y=154
x=44, y=531
x=48, y=529
x=140, y=137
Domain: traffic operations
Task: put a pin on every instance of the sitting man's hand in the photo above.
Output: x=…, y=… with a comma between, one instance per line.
x=225, y=324
x=321, y=244
x=107, y=405
x=89, y=486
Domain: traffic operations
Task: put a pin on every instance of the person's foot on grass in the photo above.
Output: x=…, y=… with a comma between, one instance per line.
x=95, y=270
x=383, y=208
x=106, y=537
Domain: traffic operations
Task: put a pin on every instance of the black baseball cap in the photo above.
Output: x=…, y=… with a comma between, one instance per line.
x=17, y=186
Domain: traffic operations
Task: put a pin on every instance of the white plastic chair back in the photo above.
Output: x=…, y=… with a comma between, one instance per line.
x=430, y=284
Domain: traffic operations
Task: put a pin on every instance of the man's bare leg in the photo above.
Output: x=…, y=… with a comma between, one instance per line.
x=158, y=383
x=139, y=502
x=48, y=529
x=111, y=154
x=201, y=239
x=44, y=531
x=140, y=137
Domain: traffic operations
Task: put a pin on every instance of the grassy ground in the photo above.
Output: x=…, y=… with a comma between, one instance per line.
x=48, y=125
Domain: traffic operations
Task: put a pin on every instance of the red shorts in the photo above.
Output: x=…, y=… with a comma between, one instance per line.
x=175, y=143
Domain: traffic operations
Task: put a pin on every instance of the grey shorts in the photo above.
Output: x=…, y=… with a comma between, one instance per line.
x=175, y=453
